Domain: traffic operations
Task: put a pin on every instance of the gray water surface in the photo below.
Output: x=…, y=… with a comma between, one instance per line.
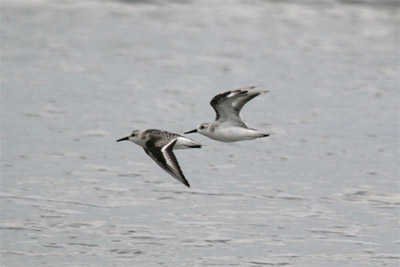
x=322, y=190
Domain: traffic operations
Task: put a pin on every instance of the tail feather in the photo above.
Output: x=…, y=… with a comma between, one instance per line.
x=184, y=142
x=195, y=146
x=261, y=135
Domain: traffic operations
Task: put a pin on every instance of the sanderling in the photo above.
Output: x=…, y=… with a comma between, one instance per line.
x=159, y=144
x=228, y=125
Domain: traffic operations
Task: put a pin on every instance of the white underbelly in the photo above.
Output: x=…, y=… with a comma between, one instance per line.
x=233, y=134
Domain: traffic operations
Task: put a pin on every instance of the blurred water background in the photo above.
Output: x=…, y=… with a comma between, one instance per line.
x=322, y=190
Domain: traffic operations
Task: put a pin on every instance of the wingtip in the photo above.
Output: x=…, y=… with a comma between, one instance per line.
x=244, y=88
x=185, y=182
x=248, y=87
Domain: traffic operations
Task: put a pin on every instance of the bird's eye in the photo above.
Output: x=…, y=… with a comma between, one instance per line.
x=202, y=127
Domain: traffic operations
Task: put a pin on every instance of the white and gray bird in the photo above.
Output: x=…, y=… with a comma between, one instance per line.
x=159, y=145
x=229, y=125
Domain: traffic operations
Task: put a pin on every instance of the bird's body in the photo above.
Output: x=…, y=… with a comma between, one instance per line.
x=229, y=125
x=226, y=133
x=159, y=144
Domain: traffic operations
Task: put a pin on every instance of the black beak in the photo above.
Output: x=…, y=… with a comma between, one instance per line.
x=192, y=131
x=123, y=139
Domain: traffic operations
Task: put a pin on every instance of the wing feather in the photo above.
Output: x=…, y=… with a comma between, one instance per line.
x=228, y=105
x=166, y=159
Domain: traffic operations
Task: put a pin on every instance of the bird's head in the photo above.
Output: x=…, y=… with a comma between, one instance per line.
x=134, y=137
x=202, y=128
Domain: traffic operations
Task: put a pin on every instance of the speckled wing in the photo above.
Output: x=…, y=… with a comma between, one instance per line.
x=166, y=159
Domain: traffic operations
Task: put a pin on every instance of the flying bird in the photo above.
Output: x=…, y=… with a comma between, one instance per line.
x=159, y=145
x=229, y=125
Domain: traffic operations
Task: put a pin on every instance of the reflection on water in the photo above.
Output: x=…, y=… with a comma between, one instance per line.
x=322, y=190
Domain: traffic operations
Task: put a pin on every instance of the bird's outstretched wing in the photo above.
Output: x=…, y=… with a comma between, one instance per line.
x=166, y=159
x=228, y=105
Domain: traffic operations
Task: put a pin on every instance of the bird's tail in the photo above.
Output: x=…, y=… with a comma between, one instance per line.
x=184, y=142
x=261, y=135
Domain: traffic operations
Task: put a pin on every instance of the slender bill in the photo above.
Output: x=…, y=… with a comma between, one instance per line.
x=123, y=139
x=192, y=131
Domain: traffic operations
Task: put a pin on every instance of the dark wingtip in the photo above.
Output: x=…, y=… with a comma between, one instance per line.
x=185, y=182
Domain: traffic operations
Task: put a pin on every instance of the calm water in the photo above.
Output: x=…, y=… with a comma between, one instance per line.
x=322, y=190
